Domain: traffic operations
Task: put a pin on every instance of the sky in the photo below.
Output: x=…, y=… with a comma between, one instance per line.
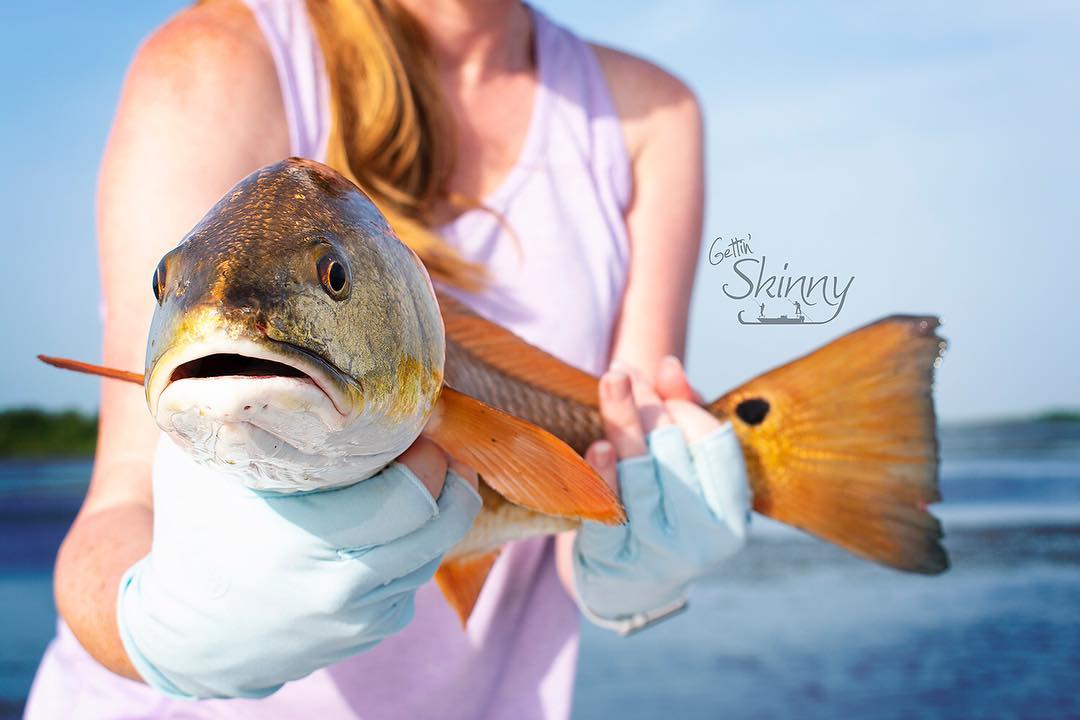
x=929, y=151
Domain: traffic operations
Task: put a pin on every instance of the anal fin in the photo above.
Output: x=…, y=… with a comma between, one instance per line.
x=462, y=579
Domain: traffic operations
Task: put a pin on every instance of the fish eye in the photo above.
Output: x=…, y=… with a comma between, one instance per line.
x=158, y=282
x=334, y=276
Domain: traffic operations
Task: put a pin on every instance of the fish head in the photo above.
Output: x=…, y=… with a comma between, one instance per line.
x=297, y=342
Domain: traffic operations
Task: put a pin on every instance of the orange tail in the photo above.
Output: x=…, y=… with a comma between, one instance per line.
x=842, y=442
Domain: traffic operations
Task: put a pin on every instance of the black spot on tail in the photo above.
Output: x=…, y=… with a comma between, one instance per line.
x=752, y=411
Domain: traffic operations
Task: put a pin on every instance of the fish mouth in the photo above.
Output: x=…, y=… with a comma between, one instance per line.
x=234, y=365
x=246, y=360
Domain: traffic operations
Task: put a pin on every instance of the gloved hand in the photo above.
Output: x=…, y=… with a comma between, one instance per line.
x=687, y=504
x=243, y=591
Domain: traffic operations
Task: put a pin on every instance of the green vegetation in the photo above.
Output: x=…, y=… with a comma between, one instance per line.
x=36, y=433
x=1063, y=416
x=33, y=433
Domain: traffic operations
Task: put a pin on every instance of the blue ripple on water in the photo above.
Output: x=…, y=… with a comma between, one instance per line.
x=789, y=628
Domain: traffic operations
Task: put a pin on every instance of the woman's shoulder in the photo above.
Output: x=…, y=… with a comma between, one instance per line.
x=648, y=99
x=209, y=32
x=209, y=52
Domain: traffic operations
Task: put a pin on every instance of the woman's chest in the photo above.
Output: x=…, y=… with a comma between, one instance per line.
x=492, y=123
x=556, y=265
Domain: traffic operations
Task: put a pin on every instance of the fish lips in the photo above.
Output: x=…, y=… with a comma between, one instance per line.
x=317, y=383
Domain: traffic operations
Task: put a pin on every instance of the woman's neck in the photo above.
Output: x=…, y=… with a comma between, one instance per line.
x=473, y=39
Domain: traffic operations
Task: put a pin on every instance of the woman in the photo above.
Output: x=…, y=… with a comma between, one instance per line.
x=489, y=135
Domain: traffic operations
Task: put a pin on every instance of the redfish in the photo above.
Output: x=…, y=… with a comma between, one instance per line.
x=298, y=345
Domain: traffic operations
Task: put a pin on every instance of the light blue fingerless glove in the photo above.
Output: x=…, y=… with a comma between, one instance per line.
x=244, y=591
x=687, y=510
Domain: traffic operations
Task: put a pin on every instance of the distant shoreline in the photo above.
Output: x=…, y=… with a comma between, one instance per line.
x=34, y=433
x=1046, y=416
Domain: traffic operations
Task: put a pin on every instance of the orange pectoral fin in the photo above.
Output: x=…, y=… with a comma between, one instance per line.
x=522, y=462
x=77, y=366
x=462, y=579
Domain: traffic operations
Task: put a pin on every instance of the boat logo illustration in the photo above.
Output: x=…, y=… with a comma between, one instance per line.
x=772, y=298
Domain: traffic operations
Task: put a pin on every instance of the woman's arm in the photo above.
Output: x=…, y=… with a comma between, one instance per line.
x=662, y=127
x=200, y=109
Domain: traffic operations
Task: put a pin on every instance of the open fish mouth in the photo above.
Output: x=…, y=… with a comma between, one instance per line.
x=232, y=360
x=233, y=365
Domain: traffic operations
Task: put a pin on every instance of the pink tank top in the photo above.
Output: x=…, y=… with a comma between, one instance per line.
x=558, y=285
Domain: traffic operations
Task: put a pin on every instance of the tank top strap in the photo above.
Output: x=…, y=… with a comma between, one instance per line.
x=581, y=101
x=301, y=73
x=570, y=77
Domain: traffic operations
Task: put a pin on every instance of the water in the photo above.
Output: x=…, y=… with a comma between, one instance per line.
x=792, y=628
x=37, y=503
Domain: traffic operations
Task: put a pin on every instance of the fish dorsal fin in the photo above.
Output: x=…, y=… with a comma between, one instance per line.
x=462, y=579
x=522, y=462
x=503, y=351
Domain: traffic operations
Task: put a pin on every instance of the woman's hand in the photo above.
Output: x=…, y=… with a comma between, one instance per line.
x=681, y=476
x=243, y=591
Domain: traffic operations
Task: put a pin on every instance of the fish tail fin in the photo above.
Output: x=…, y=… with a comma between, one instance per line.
x=522, y=462
x=462, y=579
x=842, y=442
